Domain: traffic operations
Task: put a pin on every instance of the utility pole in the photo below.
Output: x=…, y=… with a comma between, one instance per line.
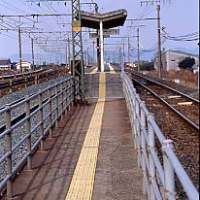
x=68, y=43
x=138, y=46
x=20, y=49
x=159, y=38
x=98, y=50
x=128, y=49
x=93, y=43
x=159, y=43
x=32, y=50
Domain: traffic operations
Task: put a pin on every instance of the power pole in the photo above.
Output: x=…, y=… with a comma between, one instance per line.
x=32, y=50
x=159, y=38
x=159, y=43
x=98, y=50
x=128, y=49
x=69, y=58
x=20, y=49
x=138, y=46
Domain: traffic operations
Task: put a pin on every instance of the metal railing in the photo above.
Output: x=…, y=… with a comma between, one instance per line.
x=41, y=112
x=158, y=161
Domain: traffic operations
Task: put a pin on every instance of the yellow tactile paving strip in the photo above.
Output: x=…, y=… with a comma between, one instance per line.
x=112, y=70
x=81, y=186
x=94, y=70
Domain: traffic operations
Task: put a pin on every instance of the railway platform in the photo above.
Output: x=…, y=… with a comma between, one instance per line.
x=90, y=155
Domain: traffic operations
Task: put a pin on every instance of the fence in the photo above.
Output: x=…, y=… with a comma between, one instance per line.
x=26, y=124
x=157, y=159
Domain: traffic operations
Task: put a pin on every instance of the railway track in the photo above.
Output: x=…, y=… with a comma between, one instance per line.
x=185, y=106
x=12, y=83
x=177, y=115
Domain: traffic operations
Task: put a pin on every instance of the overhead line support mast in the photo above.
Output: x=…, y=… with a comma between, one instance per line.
x=77, y=62
x=77, y=66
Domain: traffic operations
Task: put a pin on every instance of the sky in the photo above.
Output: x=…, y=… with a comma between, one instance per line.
x=179, y=20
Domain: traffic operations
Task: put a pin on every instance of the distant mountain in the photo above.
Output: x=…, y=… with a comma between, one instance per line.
x=15, y=57
x=115, y=55
x=194, y=51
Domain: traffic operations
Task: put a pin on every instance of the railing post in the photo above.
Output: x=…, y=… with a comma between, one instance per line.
x=50, y=112
x=56, y=93
x=41, y=120
x=9, y=149
x=65, y=97
x=151, y=144
x=72, y=96
x=137, y=122
x=133, y=110
x=143, y=146
x=28, y=130
x=61, y=96
x=168, y=172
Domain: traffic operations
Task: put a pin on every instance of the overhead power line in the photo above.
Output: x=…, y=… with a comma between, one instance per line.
x=185, y=38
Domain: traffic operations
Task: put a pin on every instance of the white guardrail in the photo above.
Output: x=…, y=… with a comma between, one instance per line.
x=39, y=112
x=158, y=170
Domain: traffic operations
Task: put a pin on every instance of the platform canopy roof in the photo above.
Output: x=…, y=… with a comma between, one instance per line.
x=110, y=19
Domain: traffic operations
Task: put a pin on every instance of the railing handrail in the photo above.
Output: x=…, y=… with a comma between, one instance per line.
x=38, y=124
x=161, y=183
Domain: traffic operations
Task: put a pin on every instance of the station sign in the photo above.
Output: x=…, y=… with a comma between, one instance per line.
x=106, y=33
x=111, y=31
x=95, y=35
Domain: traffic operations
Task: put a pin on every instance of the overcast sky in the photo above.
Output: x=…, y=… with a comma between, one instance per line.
x=180, y=19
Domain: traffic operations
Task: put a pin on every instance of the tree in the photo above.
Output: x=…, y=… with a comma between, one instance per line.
x=187, y=63
x=147, y=66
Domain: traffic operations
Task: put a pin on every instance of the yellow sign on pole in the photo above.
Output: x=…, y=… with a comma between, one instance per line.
x=76, y=26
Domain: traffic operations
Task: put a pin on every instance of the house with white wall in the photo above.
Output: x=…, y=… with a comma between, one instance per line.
x=5, y=64
x=170, y=60
x=25, y=66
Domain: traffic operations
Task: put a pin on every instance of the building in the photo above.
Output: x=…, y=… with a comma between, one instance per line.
x=5, y=64
x=25, y=66
x=171, y=59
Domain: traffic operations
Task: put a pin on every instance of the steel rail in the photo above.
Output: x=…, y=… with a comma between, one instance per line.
x=165, y=86
x=171, y=107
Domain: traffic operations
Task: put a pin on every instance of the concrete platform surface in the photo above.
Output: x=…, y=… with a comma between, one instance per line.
x=117, y=176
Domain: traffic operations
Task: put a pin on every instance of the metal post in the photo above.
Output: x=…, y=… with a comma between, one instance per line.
x=122, y=63
x=138, y=45
x=41, y=120
x=33, y=59
x=93, y=51
x=159, y=43
x=50, y=112
x=61, y=98
x=9, y=149
x=129, y=49
x=101, y=44
x=137, y=110
x=151, y=144
x=20, y=49
x=28, y=132
x=77, y=63
x=168, y=172
x=56, y=92
x=143, y=145
x=69, y=59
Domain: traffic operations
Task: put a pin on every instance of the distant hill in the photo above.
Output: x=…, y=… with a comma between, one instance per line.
x=194, y=51
x=15, y=57
x=149, y=56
